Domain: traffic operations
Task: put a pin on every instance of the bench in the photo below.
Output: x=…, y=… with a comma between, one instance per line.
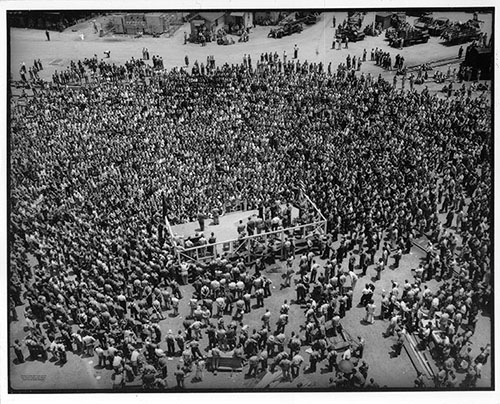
x=426, y=354
x=430, y=362
x=341, y=346
x=413, y=357
x=417, y=359
x=226, y=363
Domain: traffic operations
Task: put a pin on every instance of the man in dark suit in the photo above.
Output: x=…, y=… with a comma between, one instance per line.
x=288, y=215
x=250, y=226
x=201, y=221
x=211, y=240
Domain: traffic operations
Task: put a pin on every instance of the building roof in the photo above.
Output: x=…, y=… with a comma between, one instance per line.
x=210, y=16
x=238, y=13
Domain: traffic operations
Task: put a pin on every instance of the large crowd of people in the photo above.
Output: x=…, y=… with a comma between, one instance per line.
x=95, y=169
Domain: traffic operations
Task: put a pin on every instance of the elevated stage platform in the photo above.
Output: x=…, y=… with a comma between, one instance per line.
x=308, y=223
x=226, y=229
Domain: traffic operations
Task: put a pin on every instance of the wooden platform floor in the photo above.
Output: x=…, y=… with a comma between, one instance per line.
x=226, y=229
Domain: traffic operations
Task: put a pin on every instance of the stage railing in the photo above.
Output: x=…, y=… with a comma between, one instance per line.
x=237, y=205
x=314, y=206
x=243, y=247
x=169, y=228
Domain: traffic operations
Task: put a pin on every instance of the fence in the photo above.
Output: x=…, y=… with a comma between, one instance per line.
x=256, y=246
x=250, y=248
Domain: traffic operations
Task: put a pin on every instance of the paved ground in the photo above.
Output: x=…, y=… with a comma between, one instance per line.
x=227, y=228
x=394, y=372
x=314, y=44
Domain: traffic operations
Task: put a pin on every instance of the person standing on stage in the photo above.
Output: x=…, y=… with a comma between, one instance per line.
x=241, y=227
x=211, y=240
x=250, y=226
x=215, y=214
x=262, y=210
x=288, y=215
x=201, y=221
x=259, y=224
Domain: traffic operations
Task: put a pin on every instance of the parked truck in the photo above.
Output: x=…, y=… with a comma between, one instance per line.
x=287, y=29
x=351, y=32
x=355, y=19
x=308, y=18
x=461, y=32
x=438, y=26
x=408, y=35
x=373, y=30
x=424, y=21
x=351, y=29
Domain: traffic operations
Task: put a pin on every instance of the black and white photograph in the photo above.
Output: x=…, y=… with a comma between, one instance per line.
x=249, y=200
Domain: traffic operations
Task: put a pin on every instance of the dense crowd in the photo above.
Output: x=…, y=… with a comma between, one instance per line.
x=95, y=168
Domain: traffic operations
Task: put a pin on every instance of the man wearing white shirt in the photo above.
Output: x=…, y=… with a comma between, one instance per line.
x=134, y=358
x=347, y=354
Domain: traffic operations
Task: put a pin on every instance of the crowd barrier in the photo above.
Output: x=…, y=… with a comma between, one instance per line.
x=249, y=247
x=268, y=245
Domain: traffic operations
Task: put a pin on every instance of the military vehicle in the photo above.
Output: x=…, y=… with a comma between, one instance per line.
x=351, y=28
x=308, y=18
x=287, y=29
x=461, y=32
x=373, y=30
x=424, y=21
x=355, y=19
x=438, y=26
x=397, y=20
x=408, y=35
x=352, y=33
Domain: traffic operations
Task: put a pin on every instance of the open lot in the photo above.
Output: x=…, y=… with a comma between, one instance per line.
x=314, y=45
